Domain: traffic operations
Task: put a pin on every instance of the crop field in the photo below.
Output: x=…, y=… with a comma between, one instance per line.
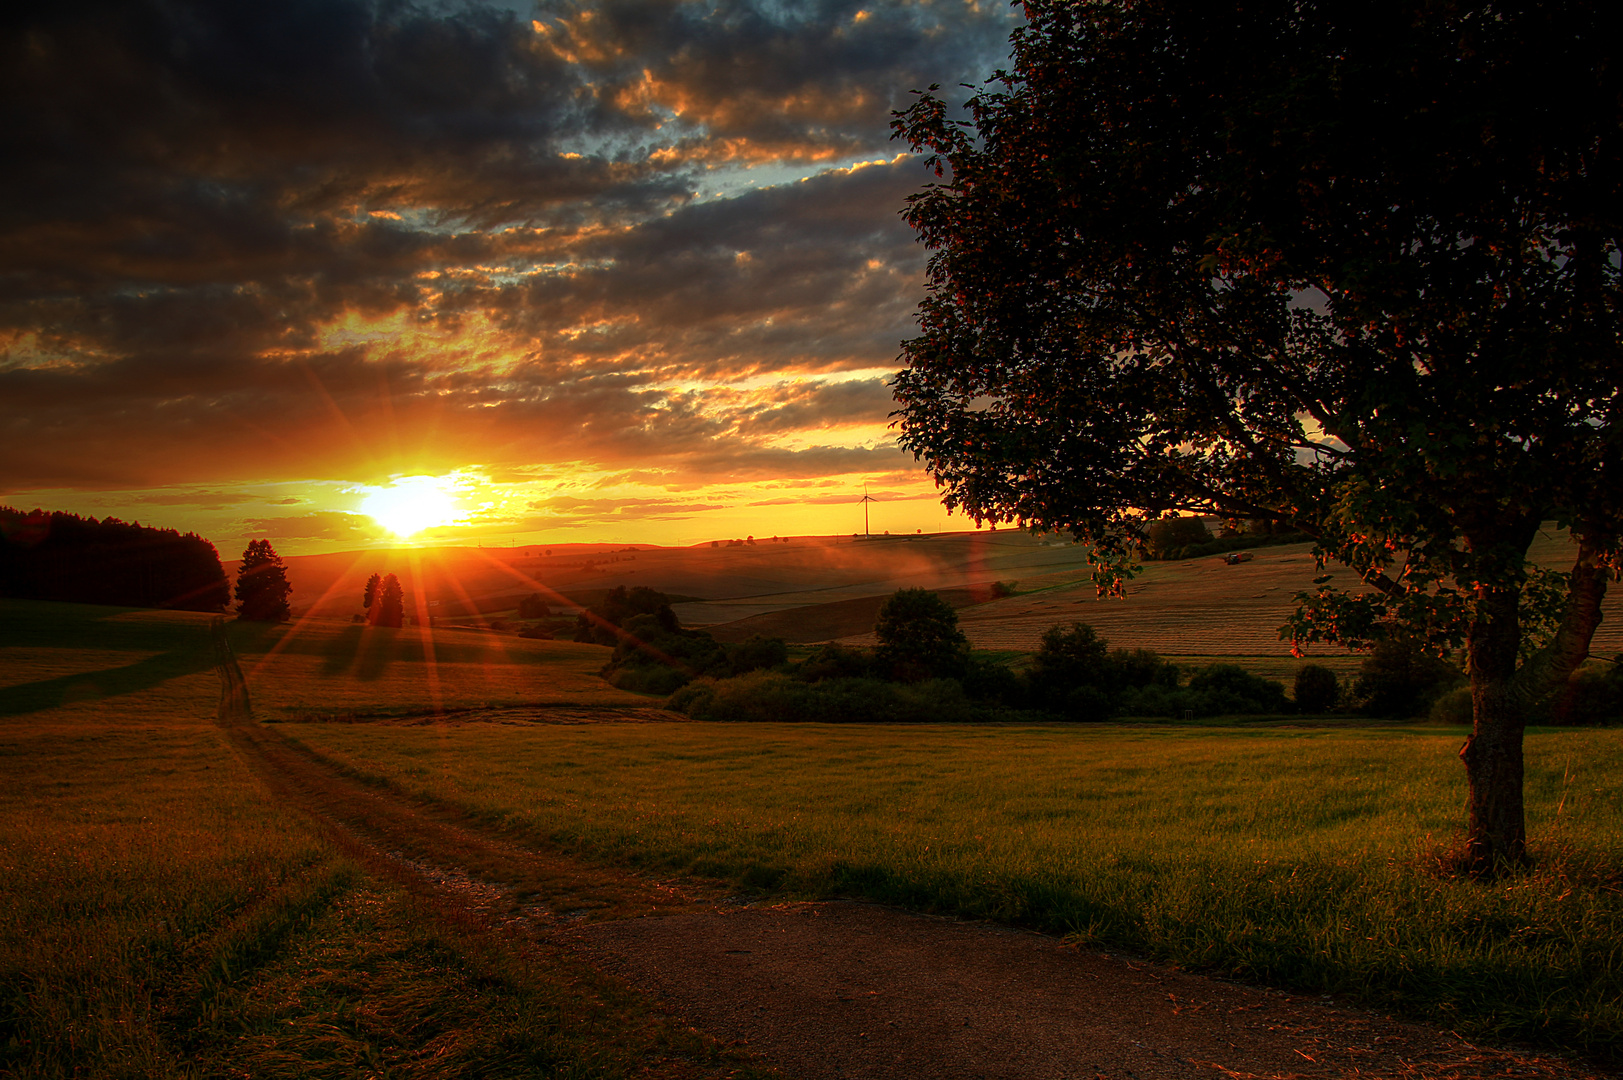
x=1203, y=607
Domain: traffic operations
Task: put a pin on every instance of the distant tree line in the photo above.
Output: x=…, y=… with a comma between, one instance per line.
x=64, y=557
x=1187, y=537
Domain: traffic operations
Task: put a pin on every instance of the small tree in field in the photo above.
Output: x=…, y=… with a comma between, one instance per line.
x=919, y=636
x=262, y=586
x=1353, y=269
x=370, y=595
x=1316, y=689
x=390, y=609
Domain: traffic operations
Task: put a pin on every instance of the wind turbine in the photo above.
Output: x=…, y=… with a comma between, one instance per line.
x=866, y=499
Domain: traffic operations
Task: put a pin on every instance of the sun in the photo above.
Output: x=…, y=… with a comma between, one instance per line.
x=411, y=504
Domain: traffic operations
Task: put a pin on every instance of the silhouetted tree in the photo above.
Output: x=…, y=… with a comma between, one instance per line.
x=1354, y=268
x=371, y=593
x=391, y=603
x=262, y=585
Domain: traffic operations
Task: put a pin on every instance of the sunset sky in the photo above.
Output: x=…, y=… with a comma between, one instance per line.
x=627, y=272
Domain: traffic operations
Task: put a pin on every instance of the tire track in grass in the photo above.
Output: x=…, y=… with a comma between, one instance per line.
x=852, y=990
x=497, y=898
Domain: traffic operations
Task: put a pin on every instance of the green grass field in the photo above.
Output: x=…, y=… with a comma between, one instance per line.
x=1297, y=858
x=324, y=668
x=160, y=907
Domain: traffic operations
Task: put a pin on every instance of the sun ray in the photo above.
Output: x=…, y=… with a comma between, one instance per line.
x=298, y=624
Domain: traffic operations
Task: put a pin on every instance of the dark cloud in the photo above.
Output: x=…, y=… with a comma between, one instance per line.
x=576, y=511
x=336, y=239
x=318, y=525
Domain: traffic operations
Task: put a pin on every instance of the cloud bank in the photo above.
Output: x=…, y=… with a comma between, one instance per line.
x=338, y=241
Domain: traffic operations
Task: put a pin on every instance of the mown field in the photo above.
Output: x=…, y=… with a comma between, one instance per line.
x=161, y=908
x=161, y=915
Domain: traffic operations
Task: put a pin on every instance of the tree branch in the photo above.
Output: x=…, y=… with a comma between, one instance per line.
x=1549, y=669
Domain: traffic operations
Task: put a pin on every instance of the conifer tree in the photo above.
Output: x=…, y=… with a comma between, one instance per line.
x=391, y=603
x=262, y=585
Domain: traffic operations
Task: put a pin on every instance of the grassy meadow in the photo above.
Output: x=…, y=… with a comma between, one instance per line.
x=163, y=916
x=324, y=669
x=1293, y=857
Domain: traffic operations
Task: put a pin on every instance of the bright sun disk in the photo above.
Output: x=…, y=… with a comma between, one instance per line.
x=410, y=505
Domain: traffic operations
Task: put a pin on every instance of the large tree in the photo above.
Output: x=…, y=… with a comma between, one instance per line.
x=1351, y=268
x=262, y=585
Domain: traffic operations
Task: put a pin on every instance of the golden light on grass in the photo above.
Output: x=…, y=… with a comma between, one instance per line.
x=411, y=504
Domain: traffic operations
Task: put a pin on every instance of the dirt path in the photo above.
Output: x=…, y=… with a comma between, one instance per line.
x=852, y=990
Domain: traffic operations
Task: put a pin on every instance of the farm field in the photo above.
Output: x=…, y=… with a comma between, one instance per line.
x=812, y=589
x=165, y=914
x=1204, y=608
x=165, y=902
x=729, y=581
x=326, y=668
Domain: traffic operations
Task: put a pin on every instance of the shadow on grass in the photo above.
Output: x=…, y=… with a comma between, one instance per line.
x=361, y=652
x=97, y=685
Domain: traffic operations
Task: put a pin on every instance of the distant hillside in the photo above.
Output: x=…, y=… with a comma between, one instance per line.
x=64, y=557
x=734, y=581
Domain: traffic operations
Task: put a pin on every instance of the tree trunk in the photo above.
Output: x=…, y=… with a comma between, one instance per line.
x=1501, y=697
x=1497, y=831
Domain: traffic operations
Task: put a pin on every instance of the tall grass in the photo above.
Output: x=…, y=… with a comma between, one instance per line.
x=1298, y=858
x=144, y=870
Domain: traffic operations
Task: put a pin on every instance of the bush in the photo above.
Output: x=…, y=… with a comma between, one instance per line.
x=984, y=679
x=1399, y=678
x=1158, y=701
x=1594, y=695
x=1453, y=707
x=1069, y=657
x=1077, y=675
x=1316, y=689
x=769, y=696
x=755, y=653
x=648, y=679
x=1169, y=535
x=919, y=636
x=836, y=661
x=1229, y=688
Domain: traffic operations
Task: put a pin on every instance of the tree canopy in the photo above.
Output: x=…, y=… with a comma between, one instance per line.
x=57, y=556
x=1353, y=269
x=262, y=586
x=919, y=637
x=389, y=603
